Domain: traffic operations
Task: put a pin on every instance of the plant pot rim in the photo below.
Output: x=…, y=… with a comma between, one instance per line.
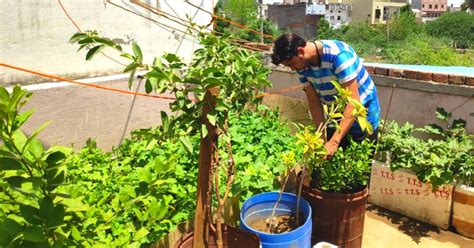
x=302, y=200
x=357, y=194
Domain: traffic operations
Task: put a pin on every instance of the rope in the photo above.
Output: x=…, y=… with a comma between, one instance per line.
x=83, y=84
x=58, y=78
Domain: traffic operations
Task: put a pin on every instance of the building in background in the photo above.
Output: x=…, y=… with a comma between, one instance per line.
x=431, y=9
x=375, y=11
x=295, y=16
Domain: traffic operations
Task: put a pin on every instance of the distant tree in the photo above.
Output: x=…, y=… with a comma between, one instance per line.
x=221, y=26
x=406, y=9
x=403, y=24
x=268, y=28
x=325, y=30
x=241, y=11
x=468, y=4
x=457, y=26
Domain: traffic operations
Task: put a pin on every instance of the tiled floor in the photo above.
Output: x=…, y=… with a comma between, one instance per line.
x=384, y=228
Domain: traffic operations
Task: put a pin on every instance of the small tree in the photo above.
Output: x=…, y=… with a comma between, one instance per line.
x=457, y=26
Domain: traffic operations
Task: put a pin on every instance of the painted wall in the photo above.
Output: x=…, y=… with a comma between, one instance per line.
x=413, y=101
x=35, y=34
x=79, y=113
x=293, y=18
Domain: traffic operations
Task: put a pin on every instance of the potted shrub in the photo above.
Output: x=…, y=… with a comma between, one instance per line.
x=262, y=209
x=221, y=77
x=421, y=170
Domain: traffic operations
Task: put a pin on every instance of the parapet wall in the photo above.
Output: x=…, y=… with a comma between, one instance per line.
x=415, y=95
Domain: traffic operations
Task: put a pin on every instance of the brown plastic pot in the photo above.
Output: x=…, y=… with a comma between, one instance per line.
x=337, y=218
x=232, y=238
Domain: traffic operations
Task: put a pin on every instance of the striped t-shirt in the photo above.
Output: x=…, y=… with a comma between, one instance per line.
x=339, y=62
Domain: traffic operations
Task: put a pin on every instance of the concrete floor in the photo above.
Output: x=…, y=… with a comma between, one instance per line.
x=384, y=228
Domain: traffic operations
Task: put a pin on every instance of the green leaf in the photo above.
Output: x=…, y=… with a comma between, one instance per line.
x=35, y=234
x=11, y=227
x=93, y=51
x=157, y=62
x=22, y=118
x=7, y=163
x=212, y=82
x=77, y=37
x=55, y=158
x=204, y=130
x=442, y=114
x=19, y=140
x=131, y=66
x=186, y=143
x=30, y=214
x=36, y=148
x=140, y=233
x=137, y=51
x=46, y=209
x=165, y=121
x=148, y=86
x=76, y=235
x=108, y=42
x=144, y=175
x=131, y=78
x=172, y=58
x=35, y=133
x=57, y=217
x=212, y=119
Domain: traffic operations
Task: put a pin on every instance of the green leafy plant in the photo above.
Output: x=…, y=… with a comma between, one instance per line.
x=444, y=157
x=33, y=212
x=222, y=77
x=347, y=171
x=333, y=176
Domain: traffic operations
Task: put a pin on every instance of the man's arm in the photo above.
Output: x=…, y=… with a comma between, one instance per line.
x=346, y=122
x=314, y=105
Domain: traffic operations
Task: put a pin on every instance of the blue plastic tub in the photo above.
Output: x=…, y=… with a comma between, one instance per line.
x=260, y=207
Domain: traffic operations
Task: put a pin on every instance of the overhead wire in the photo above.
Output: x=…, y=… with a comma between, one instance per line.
x=230, y=21
x=58, y=78
x=183, y=21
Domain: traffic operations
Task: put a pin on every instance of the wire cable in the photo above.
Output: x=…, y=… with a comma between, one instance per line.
x=230, y=21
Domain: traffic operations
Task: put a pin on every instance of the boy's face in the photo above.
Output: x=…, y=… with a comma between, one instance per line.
x=297, y=62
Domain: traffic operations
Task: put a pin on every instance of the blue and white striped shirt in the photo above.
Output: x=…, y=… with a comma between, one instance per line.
x=339, y=62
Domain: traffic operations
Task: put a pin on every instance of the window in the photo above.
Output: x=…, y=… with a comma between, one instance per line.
x=442, y=6
x=377, y=13
x=430, y=6
x=339, y=11
x=332, y=18
x=339, y=18
x=423, y=6
x=436, y=6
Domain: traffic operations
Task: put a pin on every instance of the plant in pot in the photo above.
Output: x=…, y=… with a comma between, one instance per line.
x=440, y=160
x=347, y=172
x=433, y=156
x=221, y=77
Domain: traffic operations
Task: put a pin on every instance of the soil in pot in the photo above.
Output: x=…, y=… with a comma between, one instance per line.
x=281, y=224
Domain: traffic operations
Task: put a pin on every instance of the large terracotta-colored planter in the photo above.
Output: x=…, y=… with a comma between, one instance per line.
x=232, y=238
x=463, y=210
x=337, y=218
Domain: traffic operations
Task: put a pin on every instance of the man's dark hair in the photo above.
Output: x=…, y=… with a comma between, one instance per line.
x=286, y=46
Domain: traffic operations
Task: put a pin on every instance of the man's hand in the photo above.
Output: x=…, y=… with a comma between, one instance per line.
x=331, y=148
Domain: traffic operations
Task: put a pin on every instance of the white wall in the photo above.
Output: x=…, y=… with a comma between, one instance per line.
x=34, y=34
